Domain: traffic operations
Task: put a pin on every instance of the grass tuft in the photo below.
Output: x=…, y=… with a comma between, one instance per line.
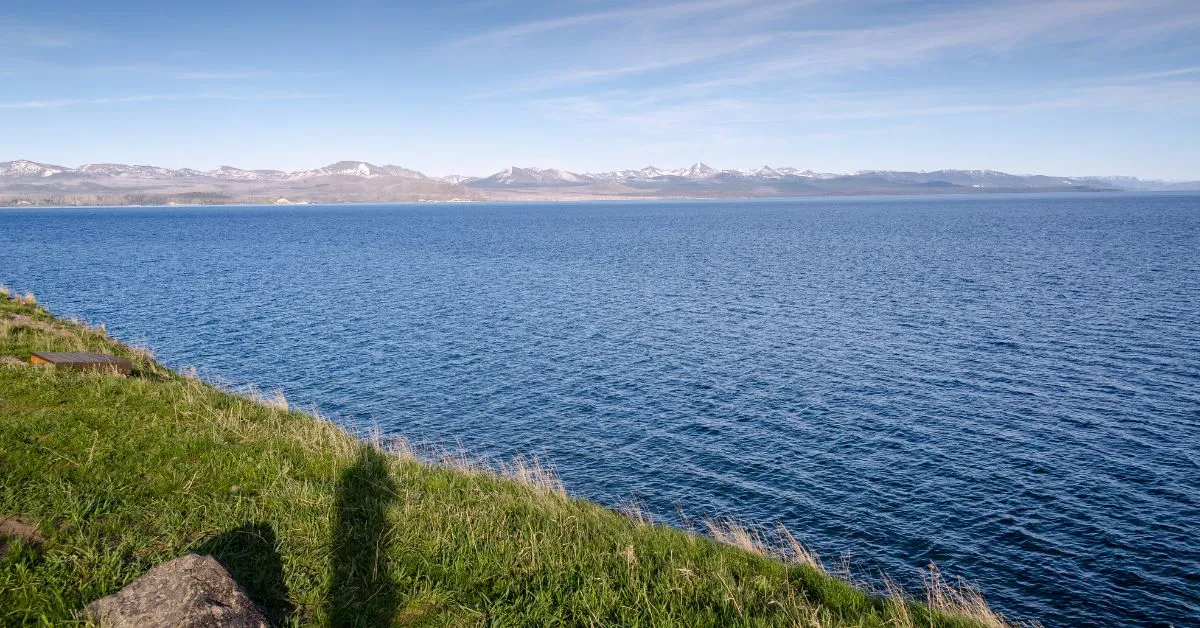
x=732, y=533
x=276, y=400
x=960, y=599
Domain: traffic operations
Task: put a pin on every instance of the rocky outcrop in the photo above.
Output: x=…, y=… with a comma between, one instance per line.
x=189, y=592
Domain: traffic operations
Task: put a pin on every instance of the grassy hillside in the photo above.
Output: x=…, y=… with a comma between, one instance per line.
x=122, y=473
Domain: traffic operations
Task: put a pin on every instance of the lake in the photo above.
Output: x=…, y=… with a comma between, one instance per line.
x=1006, y=386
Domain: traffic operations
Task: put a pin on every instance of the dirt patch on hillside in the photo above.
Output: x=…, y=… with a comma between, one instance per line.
x=21, y=320
x=18, y=527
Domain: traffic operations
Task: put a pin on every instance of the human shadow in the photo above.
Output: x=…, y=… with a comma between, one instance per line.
x=362, y=592
x=251, y=556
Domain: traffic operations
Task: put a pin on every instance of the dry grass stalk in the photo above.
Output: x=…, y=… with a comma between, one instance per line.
x=399, y=447
x=897, y=603
x=795, y=552
x=275, y=400
x=278, y=401
x=142, y=352
x=845, y=571
x=783, y=545
x=324, y=435
x=960, y=599
x=531, y=473
x=99, y=330
x=630, y=556
x=636, y=511
x=528, y=472
x=732, y=533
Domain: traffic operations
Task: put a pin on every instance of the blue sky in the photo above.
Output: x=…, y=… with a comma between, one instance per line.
x=1068, y=87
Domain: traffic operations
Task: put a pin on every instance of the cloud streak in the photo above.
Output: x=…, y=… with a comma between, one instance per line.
x=56, y=103
x=778, y=53
x=727, y=63
x=19, y=34
x=183, y=74
x=711, y=115
x=654, y=13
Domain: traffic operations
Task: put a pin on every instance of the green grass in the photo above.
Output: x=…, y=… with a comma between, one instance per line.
x=124, y=473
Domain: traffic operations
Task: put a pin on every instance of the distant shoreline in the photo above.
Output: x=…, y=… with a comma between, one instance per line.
x=26, y=183
x=614, y=199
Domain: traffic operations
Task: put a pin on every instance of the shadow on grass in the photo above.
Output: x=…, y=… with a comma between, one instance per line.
x=251, y=555
x=362, y=592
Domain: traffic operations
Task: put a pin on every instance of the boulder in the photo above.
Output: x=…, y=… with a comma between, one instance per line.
x=189, y=592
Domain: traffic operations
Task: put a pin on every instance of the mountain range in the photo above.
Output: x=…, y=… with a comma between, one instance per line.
x=24, y=182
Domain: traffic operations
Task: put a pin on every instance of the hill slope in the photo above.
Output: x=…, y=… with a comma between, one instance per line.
x=122, y=473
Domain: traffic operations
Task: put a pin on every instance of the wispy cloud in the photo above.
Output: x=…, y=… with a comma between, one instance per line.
x=586, y=75
x=975, y=31
x=177, y=73
x=723, y=63
x=655, y=12
x=38, y=40
x=1160, y=74
x=54, y=103
x=21, y=34
x=199, y=75
x=714, y=114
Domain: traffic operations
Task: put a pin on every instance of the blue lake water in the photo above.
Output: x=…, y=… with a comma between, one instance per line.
x=1006, y=386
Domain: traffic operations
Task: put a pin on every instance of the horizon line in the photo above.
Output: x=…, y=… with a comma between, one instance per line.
x=598, y=172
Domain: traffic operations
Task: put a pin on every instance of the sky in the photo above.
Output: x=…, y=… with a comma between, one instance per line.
x=1063, y=87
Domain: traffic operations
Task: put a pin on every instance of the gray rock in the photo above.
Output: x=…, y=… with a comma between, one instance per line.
x=189, y=592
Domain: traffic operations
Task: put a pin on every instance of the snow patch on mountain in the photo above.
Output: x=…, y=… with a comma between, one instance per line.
x=515, y=176
x=25, y=168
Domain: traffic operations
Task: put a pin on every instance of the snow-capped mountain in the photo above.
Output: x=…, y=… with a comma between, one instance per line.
x=28, y=169
x=649, y=172
x=514, y=176
x=645, y=174
x=29, y=182
x=698, y=171
x=360, y=169
x=229, y=173
x=24, y=182
x=132, y=172
x=508, y=178
x=767, y=172
x=543, y=177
